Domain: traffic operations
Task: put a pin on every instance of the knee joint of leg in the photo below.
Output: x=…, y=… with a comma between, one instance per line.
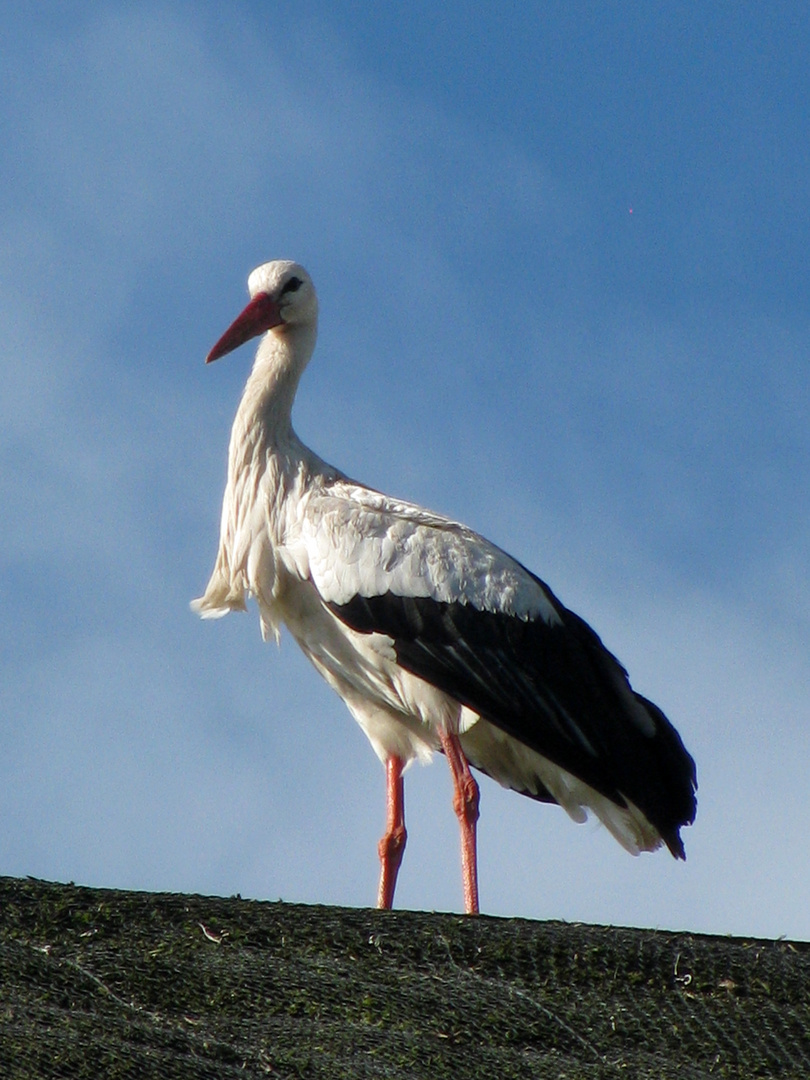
x=393, y=843
x=466, y=799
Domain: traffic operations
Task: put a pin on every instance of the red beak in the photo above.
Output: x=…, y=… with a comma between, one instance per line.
x=261, y=314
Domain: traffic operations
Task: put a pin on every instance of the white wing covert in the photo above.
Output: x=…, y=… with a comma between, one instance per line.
x=361, y=543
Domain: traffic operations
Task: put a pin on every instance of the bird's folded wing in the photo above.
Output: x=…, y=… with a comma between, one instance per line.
x=472, y=621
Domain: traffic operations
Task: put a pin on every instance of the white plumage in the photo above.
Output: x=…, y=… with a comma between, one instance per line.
x=433, y=636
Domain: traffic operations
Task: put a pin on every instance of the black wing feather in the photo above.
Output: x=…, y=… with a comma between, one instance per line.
x=555, y=688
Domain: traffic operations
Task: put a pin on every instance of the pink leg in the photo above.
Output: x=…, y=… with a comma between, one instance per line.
x=465, y=804
x=392, y=845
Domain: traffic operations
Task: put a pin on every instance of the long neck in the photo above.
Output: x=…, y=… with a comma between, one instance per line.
x=263, y=420
x=265, y=462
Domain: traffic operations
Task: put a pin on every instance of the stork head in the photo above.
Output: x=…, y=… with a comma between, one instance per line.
x=282, y=297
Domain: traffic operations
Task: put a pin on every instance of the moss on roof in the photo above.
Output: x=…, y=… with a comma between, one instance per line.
x=100, y=983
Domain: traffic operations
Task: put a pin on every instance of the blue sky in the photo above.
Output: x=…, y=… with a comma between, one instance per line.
x=562, y=262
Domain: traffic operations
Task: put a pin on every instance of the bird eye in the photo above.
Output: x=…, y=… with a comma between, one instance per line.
x=293, y=285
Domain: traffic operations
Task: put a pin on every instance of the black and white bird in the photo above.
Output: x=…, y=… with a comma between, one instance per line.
x=434, y=637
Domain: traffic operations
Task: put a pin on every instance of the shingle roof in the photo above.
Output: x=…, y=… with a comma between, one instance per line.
x=101, y=983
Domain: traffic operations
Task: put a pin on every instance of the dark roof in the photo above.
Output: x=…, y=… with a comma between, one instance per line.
x=100, y=983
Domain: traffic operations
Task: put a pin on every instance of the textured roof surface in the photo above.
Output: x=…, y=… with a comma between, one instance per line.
x=104, y=984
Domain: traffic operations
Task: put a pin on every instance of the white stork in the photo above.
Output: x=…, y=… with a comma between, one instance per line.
x=435, y=638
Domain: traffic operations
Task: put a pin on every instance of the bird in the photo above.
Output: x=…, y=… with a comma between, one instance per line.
x=435, y=638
